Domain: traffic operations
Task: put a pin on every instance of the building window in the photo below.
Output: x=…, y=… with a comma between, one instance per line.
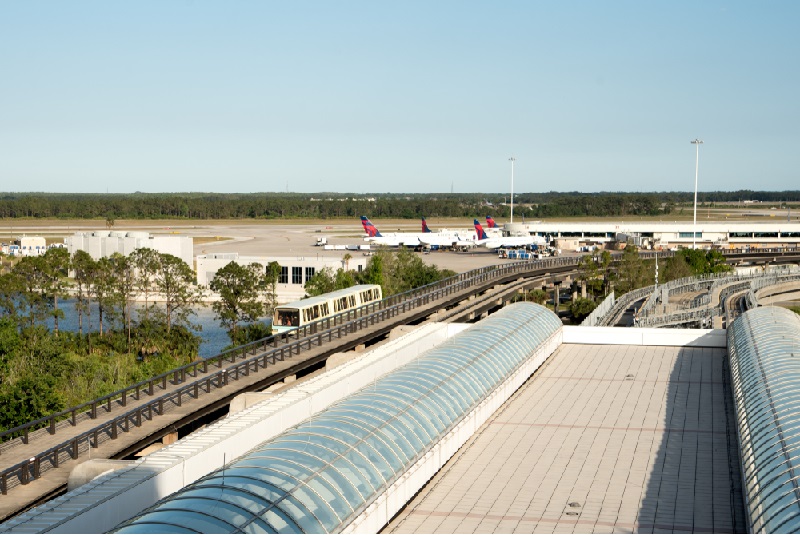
x=297, y=275
x=689, y=234
x=283, y=278
x=309, y=273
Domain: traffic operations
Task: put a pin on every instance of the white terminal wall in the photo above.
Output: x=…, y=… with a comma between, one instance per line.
x=102, y=244
x=620, y=336
x=208, y=265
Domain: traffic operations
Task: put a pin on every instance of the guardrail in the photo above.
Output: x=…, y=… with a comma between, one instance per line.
x=599, y=312
x=623, y=303
x=243, y=361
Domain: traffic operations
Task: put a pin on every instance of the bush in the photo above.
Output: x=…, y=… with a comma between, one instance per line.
x=580, y=308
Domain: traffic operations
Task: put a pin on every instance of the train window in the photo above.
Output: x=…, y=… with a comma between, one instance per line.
x=290, y=318
x=325, y=310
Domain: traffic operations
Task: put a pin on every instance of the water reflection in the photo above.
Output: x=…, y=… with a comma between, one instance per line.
x=215, y=338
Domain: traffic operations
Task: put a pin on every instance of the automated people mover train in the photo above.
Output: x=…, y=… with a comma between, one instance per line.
x=300, y=313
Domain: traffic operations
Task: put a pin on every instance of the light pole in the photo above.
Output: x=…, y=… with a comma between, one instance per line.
x=697, y=144
x=512, y=160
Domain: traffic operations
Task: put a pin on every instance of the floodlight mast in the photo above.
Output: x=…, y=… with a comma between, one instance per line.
x=696, y=143
x=512, y=160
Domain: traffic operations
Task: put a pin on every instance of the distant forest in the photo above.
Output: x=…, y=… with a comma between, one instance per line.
x=342, y=205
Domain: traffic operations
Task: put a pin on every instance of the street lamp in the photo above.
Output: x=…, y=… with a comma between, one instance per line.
x=512, y=160
x=697, y=144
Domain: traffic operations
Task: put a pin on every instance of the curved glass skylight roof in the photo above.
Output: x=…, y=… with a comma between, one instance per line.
x=764, y=348
x=320, y=475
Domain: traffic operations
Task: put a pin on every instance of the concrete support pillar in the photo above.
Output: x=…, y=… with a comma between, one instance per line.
x=170, y=438
x=664, y=296
x=583, y=289
x=556, y=297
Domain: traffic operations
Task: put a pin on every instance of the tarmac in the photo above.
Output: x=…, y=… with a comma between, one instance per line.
x=269, y=238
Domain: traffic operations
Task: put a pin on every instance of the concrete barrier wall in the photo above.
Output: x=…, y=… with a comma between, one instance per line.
x=644, y=336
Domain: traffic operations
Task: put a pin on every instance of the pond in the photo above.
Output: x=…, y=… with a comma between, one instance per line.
x=214, y=337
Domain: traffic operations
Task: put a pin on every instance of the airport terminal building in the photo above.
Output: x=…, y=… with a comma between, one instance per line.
x=104, y=243
x=295, y=271
x=570, y=236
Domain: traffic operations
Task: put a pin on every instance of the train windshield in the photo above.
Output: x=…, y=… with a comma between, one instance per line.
x=287, y=318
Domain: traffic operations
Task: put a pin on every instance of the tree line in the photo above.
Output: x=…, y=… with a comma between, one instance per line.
x=118, y=341
x=144, y=206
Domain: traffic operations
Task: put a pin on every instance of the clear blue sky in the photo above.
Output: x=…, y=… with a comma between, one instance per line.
x=411, y=96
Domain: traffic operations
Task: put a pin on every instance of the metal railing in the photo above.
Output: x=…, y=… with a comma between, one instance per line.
x=724, y=287
x=622, y=304
x=598, y=313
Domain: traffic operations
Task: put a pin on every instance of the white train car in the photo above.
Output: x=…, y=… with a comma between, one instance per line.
x=300, y=313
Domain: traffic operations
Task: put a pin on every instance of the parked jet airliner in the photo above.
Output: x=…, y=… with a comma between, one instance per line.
x=407, y=239
x=506, y=241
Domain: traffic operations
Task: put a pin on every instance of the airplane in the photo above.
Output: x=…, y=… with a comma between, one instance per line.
x=463, y=240
x=506, y=241
x=406, y=239
x=490, y=222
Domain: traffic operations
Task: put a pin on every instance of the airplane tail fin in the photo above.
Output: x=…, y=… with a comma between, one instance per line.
x=479, y=230
x=369, y=228
x=490, y=222
x=425, y=226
